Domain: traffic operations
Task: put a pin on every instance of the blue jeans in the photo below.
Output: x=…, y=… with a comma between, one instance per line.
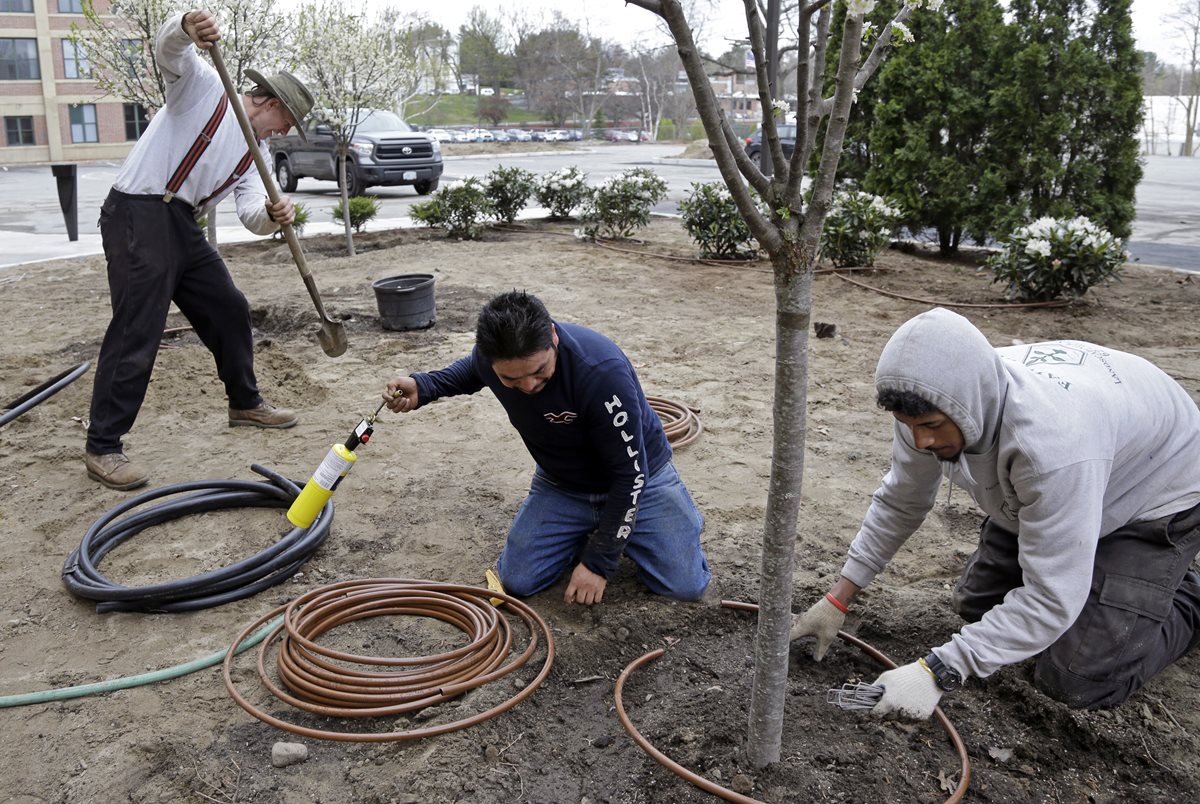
x=553, y=526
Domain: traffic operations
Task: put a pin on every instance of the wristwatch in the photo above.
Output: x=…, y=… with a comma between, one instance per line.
x=947, y=678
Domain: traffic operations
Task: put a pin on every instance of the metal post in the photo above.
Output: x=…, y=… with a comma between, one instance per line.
x=68, y=198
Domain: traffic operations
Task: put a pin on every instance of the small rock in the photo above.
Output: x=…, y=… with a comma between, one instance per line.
x=492, y=754
x=715, y=773
x=428, y=713
x=824, y=330
x=284, y=754
x=622, y=634
x=743, y=784
x=602, y=742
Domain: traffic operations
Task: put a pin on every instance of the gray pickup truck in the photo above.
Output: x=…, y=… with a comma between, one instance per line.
x=383, y=151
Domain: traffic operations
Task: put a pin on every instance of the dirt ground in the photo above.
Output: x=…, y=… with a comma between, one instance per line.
x=432, y=496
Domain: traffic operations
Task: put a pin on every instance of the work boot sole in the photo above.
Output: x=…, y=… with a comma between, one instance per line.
x=117, y=486
x=241, y=423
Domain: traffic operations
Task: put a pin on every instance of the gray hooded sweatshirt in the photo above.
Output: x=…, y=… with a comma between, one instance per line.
x=1066, y=441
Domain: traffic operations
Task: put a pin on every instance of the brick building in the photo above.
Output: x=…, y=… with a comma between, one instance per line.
x=52, y=110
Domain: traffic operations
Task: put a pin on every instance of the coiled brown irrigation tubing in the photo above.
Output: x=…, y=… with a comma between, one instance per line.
x=318, y=679
x=730, y=795
x=681, y=423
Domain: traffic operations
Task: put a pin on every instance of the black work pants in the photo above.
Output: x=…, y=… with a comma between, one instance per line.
x=157, y=254
x=1142, y=612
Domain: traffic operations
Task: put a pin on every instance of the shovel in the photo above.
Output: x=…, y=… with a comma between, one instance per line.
x=332, y=334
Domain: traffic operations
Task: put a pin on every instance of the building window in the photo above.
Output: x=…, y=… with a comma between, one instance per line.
x=19, y=130
x=19, y=60
x=75, y=60
x=17, y=6
x=136, y=120
x=83, y=123
x=70, y=6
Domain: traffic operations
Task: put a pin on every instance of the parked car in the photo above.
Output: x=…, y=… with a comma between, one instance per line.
x=499, y=135
x=557, y=135
x=480, y=135
x=519, y=135
x=620, y=135
x=460, y=135
x=383, y=151
x=537, y=135
x=440, y=134
x=787, y=140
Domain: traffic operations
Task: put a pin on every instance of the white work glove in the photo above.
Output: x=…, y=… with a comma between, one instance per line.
x=910, y=692
x=823, y=621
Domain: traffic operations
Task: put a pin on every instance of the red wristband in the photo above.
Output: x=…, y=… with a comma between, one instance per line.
x=839, y=605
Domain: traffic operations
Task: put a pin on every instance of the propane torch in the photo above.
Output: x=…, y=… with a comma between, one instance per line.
x=329, y=475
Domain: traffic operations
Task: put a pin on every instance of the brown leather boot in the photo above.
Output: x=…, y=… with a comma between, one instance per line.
x=265, y=415
x=114, y=470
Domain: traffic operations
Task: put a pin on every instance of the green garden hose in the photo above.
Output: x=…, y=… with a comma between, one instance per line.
x=65, y=693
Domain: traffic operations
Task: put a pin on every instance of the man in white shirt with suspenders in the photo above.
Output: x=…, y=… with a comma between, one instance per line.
x=191, y=156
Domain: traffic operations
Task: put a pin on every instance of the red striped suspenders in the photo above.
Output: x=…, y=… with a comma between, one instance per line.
x=242, y=166
x=198, y=147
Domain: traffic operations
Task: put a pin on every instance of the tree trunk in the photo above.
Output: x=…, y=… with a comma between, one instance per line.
x=793, y=300
x=346, y=205
x=212, y=227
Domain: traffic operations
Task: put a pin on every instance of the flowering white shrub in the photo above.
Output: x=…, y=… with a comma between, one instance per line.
x=620, y=204
x=509, y=189
x=562, y=190
x=859, y=225
x=1051, y=258
x=714, y=222
x=460, y=208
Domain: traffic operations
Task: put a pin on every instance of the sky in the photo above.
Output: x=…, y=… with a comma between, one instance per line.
x=612, y=19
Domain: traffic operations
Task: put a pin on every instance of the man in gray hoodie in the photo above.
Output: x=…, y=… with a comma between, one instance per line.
x=1086, y=463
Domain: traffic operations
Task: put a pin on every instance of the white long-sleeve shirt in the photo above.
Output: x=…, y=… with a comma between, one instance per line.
x=193, y=91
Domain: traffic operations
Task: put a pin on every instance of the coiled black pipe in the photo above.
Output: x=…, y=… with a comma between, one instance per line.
x=247, y=577
x=43, y=392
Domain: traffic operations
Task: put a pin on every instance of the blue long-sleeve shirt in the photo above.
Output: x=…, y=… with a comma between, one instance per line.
x=591, y=429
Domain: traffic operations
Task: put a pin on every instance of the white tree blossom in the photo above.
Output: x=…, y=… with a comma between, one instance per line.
x=352, y=62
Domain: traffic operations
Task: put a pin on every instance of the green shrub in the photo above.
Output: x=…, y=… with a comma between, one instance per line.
x=713, y=221
x=460, y=209
x=562, y=190
x=1051, y=258
x=857, y=228
x=508, y=189
x=362, y=209
x=620, y=205
x=302, y=216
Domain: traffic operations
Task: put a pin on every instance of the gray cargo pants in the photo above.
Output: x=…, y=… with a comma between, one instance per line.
x=1143, y=611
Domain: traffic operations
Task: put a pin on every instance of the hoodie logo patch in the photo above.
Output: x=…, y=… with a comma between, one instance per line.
x=566, y=417
x=1053, y=355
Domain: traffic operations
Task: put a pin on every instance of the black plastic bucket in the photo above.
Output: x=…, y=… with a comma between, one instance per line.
x=406, y=301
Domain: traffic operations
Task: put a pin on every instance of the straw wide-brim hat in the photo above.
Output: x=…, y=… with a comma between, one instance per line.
x=290, y=91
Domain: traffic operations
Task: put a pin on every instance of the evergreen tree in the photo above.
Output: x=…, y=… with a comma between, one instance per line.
x=931, y=121
x=1065, y=118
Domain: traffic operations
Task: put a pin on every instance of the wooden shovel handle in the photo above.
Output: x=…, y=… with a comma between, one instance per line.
x=272, y=191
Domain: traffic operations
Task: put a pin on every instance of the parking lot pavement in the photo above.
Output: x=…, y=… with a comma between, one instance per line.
x=1166, y=232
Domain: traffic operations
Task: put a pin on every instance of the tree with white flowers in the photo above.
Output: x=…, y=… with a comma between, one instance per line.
x=790, y=232
x=352, y=62
x=118, y=45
